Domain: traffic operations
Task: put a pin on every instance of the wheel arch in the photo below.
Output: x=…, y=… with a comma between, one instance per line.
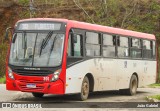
x=91, y=81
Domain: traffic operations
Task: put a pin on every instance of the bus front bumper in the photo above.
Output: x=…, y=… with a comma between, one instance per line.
x=56, y=87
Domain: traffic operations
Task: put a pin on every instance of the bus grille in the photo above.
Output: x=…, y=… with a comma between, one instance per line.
x=28, y=81
x=32, y=72
x=38, y=88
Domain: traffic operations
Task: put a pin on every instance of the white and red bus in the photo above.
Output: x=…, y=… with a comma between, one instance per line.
x=60, y=56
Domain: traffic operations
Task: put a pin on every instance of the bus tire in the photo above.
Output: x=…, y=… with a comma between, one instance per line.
x=132, y=86
x=83, y=95
x=37, y=95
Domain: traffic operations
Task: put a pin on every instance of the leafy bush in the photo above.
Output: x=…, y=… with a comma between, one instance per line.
x=23, y=2
x=2, y=80
x=3, y=54
x=6, y=3
x=156, y=97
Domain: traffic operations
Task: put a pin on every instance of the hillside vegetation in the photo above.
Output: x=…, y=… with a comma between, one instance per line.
x=137, y=15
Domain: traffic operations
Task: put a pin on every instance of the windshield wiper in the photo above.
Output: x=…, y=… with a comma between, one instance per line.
x=52, y=47
x=53, y=43
x=45, y=41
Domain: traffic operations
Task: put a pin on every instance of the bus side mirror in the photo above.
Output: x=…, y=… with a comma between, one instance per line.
x=14, y=38
x=7, y=34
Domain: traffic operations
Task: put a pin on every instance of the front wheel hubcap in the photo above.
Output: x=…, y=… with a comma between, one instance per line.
x=134, y=86
x=85, y=88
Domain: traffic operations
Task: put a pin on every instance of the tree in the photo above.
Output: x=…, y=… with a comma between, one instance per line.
x=129, y=10
x=79, y=6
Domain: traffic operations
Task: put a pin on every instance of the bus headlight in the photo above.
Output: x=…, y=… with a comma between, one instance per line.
x=10, y=74
x=56, y=75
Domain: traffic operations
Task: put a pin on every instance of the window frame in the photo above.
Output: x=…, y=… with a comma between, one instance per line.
x=99, y=41
x=119, y=45
x=72, y=45
x=141, y=48
x=154, y=58
x=114, y=45
x=116, y=51
x=151, y=49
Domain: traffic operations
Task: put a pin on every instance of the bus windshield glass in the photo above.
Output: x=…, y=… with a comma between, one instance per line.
x=37, y=49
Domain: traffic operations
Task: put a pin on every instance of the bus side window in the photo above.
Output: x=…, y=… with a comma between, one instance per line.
x=92, y=44
x=123, y=47
x=136, y=48
x=74, y=47
x=109, y=43
x=147, y=49
x=154, y=49
x=77, y=47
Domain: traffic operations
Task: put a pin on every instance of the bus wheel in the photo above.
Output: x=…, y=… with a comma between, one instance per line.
x=37, y=95
x=84, y=89
x=133, y=86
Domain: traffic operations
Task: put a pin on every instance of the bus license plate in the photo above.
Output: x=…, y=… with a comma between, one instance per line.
x=31, y=85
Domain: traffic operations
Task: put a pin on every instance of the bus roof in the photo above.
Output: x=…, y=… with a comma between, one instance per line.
x=94, y=27
x=44, y=19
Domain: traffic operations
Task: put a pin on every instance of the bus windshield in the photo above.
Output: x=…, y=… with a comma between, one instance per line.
x=37, y=49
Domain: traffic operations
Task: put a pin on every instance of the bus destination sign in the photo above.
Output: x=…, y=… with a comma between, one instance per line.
x=39, y=26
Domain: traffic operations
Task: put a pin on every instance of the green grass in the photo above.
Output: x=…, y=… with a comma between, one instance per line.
x=154, y=85
x=2, y=80
x=155, y=97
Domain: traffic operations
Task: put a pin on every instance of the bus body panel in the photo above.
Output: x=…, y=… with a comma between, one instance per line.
x=101, y=70
x=145, y=70
x=110, y=74
x=76, y=73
